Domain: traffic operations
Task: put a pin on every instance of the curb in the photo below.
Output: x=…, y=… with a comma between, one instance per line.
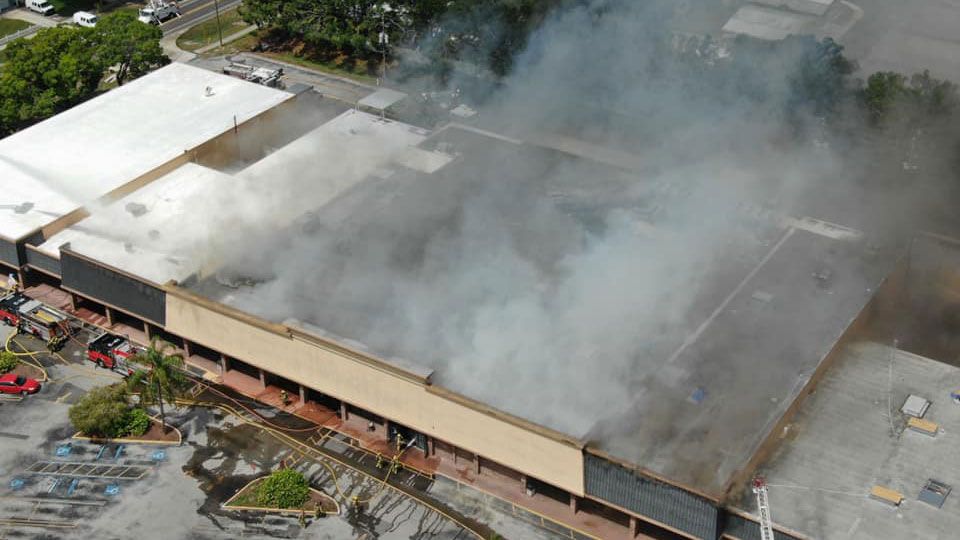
x=131, y=440
x=228, y=39
x=281, y=511
x=291, y=65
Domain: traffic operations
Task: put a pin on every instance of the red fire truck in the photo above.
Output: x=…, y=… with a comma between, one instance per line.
x=32, y=317
x=112, y=351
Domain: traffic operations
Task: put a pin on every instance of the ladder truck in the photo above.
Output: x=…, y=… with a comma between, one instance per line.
x=111, y=351
x=763, y=507
x=158, y=11
x=32, y=317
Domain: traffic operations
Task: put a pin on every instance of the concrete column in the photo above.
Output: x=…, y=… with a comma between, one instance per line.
x=224, y=363
x=186, y=348
x=111, y=320
x=147, y=331
x=303, y=395
x=634, y=527
x=573, y=503
x=74, y=301
x=344, y=412
x=263, y=378
x=431, y=451
x=523, y=481
x=478, y=463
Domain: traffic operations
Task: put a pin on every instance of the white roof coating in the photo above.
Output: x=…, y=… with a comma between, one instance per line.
x=329, y=160
x=768, y=23
x=813, y=7
x=163, y=230
x=79, y=155
x=382, y=99
x=138, y=234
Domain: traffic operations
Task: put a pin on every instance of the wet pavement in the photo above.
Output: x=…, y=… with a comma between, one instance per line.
x=181, y=496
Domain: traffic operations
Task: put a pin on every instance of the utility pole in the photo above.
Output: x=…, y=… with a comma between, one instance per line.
x=384, y=41
x=216, y=6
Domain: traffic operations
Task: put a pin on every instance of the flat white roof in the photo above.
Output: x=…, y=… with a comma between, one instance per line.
x=332, y=158
x=61, y=164
x=161, y=231
x=156, y=233
x=768, y=23
x=382, y=99
x=813, y=7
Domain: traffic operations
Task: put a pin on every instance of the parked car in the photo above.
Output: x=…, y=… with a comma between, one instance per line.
x=83, y=18
x=40, y=6
x=11, y=383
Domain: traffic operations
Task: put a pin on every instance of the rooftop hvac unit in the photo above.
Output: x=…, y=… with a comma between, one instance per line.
x=915, y=406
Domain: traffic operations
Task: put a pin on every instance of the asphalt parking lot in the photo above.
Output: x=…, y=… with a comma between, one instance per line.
x=180, y=494
x=907, y=37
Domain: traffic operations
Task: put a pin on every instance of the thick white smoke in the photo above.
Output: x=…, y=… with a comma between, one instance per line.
x=545, y=285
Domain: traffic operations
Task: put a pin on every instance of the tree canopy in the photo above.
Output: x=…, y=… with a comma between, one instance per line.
x=485, y=32
x=62, y=66
x=101, y=412
x=162, y=378
x=917, y=99
x=55, y=70
x=128, y=44
x=285, y=488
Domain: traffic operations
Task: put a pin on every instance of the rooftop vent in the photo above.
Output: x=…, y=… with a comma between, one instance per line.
x=915, y=406
x=935, y=493
x=21, y=208
x=135, y=209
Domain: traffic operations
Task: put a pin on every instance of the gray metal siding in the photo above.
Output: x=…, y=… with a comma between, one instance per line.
x=8, y=253
x=43, y=261
x=662, y=502
x=744, y=529
x=105, y=285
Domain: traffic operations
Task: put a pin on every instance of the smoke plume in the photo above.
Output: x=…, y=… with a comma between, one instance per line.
x=544, y=284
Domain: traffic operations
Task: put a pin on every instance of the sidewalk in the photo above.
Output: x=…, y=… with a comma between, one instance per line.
x=541, y=510
x=229, y=39
x=169, y=45
x=37, y=19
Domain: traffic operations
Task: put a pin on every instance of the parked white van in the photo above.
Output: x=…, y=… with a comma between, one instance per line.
x=40, y=6
x=82, y=18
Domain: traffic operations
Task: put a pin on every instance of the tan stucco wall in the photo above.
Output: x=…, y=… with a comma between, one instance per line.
x=362, y=382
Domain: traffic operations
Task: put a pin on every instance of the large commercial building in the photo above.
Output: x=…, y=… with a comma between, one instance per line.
x=122, y=202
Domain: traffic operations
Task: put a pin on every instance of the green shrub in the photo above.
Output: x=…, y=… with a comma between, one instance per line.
x=102, y=412
x=136, y=423
x=286, y=488
x=8, y=361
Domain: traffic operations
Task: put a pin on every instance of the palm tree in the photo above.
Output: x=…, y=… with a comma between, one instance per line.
x=162, y=377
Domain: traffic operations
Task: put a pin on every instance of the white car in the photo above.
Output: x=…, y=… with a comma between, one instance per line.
x=40, y=6
x=83, y=18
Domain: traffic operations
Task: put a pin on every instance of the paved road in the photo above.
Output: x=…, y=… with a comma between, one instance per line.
x=196, y=11
x=907, y=36
x=25, y=14
x=327, y=84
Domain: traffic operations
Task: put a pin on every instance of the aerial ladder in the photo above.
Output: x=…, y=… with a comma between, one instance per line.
x=763, y=507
